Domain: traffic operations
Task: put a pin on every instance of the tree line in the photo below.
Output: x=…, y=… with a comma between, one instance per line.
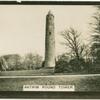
x=12, y=62
x=83, y=58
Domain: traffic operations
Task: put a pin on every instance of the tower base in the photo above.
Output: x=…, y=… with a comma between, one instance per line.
x=49, y=69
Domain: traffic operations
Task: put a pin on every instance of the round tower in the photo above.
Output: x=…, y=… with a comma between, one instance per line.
x=49, y=42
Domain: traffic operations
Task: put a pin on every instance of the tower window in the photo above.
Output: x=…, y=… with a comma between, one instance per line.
x=50, y=18
x=49, y=33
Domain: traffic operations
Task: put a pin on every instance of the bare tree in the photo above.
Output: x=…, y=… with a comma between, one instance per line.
x=72, y=41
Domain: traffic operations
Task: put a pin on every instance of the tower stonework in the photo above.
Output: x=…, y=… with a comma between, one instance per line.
x=49, y=42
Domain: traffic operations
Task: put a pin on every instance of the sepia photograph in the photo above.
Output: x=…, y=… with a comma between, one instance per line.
x=50, y=48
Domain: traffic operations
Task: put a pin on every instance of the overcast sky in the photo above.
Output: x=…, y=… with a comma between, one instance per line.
x=22, y=27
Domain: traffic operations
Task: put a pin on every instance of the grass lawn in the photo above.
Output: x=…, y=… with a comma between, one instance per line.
x=26, y=72
x=82, y=83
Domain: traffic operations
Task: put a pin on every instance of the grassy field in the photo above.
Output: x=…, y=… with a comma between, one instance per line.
x=26, y=72
x=82, y=83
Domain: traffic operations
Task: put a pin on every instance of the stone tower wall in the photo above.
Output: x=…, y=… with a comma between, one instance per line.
x=49, y=42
